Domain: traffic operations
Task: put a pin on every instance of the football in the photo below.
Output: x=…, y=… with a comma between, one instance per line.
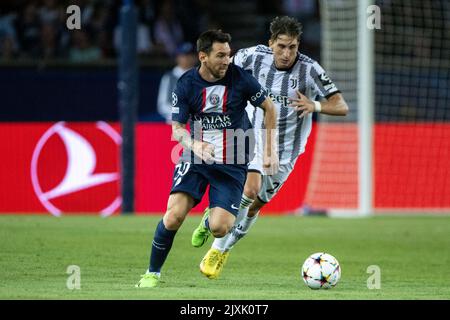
x=321, y=271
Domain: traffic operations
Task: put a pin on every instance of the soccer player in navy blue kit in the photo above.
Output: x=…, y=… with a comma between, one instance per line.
x=213, y=98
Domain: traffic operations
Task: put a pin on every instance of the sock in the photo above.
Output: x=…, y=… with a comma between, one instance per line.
x=157, y=273
x=162, y=242
x=239, y=231
x=207, y=224
x=220, y=243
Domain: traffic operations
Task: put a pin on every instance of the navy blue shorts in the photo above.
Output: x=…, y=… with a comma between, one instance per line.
x=226, y=183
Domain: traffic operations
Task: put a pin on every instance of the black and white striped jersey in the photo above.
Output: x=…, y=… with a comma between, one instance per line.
x=306, y=75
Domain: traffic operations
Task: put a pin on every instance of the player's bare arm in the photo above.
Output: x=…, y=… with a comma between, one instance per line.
x=333, y=106
x=203, y=150
x=270, y=157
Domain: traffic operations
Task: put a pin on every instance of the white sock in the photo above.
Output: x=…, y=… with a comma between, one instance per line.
x=220, y=243
x=239, y=231
x=157, y=273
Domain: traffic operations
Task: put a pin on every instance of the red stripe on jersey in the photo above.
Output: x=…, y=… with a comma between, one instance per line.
x=225, y=97
x=224, y=110
x=203, y=107
x=203, y=99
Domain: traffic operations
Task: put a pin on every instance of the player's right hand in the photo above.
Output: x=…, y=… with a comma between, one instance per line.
x=203, y=150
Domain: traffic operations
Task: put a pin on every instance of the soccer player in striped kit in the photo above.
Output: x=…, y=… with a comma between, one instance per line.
x=214, y=99
x=294, y=82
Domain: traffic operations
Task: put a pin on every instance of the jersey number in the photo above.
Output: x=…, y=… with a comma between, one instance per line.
x=180, y=170
x=276, y=186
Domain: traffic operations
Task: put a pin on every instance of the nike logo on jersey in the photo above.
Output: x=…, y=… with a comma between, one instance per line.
x=234, y=207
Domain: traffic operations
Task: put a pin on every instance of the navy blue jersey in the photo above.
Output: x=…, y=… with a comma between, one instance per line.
x=216, y=111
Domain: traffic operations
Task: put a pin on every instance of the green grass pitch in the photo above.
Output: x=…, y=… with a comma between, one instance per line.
x=413, y=254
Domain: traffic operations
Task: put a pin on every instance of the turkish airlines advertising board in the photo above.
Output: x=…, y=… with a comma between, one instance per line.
x=74, y=168
x=57, y=168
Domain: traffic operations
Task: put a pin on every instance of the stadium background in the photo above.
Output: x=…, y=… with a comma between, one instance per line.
x=59, y=116
x=44, y=81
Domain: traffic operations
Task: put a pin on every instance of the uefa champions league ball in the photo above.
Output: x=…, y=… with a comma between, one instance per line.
x=321, y=271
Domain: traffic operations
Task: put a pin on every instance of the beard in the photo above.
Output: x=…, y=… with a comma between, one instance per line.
x=216, y=73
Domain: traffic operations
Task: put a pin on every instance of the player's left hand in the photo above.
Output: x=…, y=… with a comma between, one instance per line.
x=301, y=104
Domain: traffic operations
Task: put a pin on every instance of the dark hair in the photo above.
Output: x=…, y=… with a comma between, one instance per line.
x=285, y=25
x=207, y=38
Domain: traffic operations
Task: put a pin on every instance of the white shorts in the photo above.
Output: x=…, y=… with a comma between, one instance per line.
x=270, y=185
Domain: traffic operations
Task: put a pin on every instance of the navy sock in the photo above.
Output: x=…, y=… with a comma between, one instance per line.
x=207, y=223
x=162, y=242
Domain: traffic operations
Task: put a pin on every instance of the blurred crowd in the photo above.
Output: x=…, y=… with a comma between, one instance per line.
x=36, y=29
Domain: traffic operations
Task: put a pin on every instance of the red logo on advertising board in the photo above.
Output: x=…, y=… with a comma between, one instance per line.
x=74, y=168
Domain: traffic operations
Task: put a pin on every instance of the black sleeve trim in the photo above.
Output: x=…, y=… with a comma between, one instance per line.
x=332, y=94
